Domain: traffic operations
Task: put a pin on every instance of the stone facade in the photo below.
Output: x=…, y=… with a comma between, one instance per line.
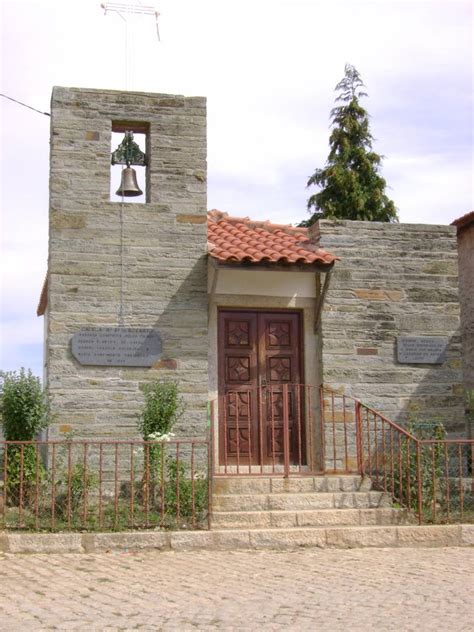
x=465, y=233
x=164, y=257
x=393, y=280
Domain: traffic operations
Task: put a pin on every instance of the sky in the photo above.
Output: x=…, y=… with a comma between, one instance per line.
x=268, y=69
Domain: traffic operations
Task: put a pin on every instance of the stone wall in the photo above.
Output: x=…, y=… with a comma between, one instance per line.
x=466, y=296
x=393, y=280
x=165, y=273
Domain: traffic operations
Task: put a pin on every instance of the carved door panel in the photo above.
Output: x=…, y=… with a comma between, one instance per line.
x=238, y=380
x=257, y=349
x=279, y=364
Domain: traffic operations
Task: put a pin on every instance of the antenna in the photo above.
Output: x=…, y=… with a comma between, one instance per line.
x=123, y=10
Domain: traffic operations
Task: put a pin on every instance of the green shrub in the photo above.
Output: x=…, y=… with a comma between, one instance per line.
x=72, y=488
x=180, y=481
x=163, y=407
x=430, y=466
x=24, y=475
x=24, y=413
x=23, y=405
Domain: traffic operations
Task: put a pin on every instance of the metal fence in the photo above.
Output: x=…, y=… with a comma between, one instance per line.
x=118, y=485
x=106, y=485
x=268, y=430
x=432, y=477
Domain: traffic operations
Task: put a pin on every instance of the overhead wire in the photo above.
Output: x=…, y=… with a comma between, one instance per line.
x=5, y=96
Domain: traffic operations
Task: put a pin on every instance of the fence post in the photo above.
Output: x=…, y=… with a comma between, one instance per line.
x=286, y=433
x=210, y=461
x=212, y=436
x=322, y=412
x=359, y=446
x=419, y=483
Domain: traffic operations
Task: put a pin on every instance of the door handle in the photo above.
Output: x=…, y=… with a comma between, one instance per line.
x=263, y=381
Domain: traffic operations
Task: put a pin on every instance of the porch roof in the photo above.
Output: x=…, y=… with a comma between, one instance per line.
x=240, y=240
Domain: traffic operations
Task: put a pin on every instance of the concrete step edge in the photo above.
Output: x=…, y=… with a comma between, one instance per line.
x=301, y=494
x=242, y=539
x=308, y=518
x=295, y=501
x=275, y=485
x=304, y=511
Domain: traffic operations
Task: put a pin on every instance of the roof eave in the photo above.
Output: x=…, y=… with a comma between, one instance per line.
x=275, y=266
x=464, y=221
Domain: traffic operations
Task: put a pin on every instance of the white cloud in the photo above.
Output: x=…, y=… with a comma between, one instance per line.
x=268, y=69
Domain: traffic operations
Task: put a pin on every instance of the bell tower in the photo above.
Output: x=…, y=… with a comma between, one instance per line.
x=127, y=287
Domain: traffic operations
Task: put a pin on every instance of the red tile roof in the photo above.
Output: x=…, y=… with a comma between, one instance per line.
x=463, y=221
x=242, y=240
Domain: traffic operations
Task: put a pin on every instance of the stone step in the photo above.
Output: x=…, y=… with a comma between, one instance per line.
x=294, y=501
x=308, y=518
x=272, y=485
x=242, y=539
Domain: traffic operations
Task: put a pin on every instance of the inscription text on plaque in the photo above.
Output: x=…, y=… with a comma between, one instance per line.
x=116, y=346
x=421, y=349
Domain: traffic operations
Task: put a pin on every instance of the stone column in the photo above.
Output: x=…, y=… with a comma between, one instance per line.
x=164, y=257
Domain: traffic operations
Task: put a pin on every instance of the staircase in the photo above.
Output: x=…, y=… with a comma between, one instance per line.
x=301, y=502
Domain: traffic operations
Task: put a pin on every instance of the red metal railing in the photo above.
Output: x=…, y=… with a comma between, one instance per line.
x=87, y=485
x=431, y=477
x=270, y=430
x=284, y=430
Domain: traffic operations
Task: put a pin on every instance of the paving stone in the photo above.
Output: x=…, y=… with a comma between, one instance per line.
x=467, y=534
x=287, y=538
x=136, y=541
x=231, y=540
x=231, y=485
x=190, y=540
x=300, y=589
x=385, y=516
x=342, y=483
x=284, y=519
x=328, y=517
x=3, y=542
x=301, y=501
x=241, y=519
x=355, y=537
x=303, y=484
x=44, y=543
x=240, y=502
x=429, y=535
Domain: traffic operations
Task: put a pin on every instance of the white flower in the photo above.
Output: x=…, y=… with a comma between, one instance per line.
x=157, y=436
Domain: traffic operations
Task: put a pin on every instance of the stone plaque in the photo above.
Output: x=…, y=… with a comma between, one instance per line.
x=421, y=349
x=116, y=346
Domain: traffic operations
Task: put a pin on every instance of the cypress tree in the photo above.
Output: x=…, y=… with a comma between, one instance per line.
x=350, y=184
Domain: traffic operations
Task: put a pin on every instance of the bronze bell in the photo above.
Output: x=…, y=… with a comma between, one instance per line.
x=129, y=185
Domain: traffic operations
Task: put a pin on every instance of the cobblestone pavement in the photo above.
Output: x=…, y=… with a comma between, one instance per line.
x=365, y=589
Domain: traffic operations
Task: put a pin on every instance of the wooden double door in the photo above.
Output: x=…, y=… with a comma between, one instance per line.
x=260, y=352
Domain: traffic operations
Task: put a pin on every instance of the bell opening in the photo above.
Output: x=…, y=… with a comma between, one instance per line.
x=128, y=183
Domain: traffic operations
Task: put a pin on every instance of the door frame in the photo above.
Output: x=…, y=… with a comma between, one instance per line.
x=299, y=312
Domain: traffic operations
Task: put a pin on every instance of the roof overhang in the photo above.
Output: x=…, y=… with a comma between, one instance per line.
x=464, y=221
x=270, y=266
x=240, y=241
